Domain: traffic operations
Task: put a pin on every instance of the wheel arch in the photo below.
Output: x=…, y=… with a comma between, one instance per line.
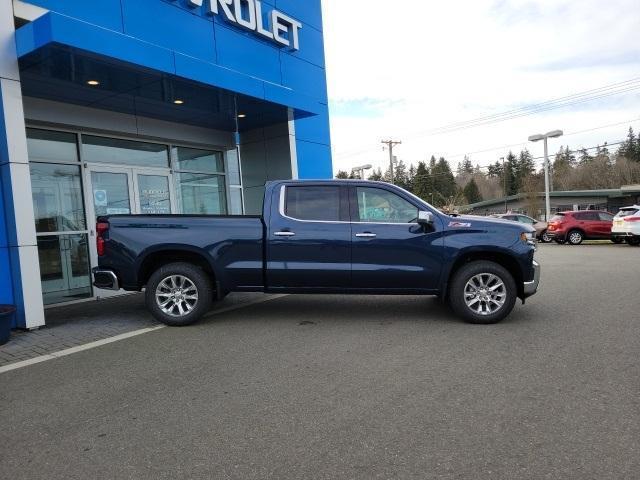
x=503, y=259
x=155, y=259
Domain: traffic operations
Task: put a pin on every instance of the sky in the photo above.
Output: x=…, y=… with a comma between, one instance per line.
x=401, y=69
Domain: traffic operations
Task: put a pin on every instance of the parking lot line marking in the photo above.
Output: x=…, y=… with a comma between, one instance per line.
x=123, y=336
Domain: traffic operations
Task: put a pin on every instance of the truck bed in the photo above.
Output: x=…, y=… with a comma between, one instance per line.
x=236, y=242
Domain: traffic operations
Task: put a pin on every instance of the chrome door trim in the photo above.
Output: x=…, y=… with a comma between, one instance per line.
x=283, y=197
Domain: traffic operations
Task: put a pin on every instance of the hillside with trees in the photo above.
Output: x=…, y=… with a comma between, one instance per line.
x=583, y=169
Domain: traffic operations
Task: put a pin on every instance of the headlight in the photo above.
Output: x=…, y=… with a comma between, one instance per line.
x=528, y=237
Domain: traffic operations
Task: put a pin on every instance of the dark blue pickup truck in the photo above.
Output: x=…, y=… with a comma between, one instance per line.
x=320, y=237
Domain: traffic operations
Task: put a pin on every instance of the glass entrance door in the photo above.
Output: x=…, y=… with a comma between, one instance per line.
x=61, y=232
x=124, y=191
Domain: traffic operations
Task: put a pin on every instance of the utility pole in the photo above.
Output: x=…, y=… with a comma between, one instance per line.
x=504, y=183
x=390, y=144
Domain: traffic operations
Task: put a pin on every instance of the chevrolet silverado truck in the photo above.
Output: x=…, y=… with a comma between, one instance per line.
x=329, y=237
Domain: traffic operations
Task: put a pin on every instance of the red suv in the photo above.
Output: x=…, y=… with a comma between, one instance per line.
x=574, y=227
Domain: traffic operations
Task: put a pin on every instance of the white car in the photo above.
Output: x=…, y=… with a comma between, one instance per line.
x=626, y=225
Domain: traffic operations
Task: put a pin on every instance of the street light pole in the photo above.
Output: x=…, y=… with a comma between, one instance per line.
x=546, y=137
x=360, y=170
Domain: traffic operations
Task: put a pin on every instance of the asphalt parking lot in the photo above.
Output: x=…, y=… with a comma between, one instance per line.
x=337, y=387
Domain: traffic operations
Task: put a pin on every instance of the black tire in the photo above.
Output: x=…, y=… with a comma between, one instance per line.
x=186, y=310
x=575, y=237
x=464, y=276
x=617, y=240
x=545, y=238
x=633, y=241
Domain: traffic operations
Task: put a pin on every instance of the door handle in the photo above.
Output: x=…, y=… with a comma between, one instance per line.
x=284, y=234
x=366, y=235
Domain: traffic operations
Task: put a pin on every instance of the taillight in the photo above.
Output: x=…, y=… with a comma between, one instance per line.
x=632, y=219
x=101, y=230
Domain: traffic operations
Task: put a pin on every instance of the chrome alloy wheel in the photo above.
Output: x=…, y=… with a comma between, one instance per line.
x=176, y=295
x=485, y=293
x=575, y=237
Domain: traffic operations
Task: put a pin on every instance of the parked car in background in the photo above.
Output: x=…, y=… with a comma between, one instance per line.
x=541, y=227
x=577, y=226
x=626, y=226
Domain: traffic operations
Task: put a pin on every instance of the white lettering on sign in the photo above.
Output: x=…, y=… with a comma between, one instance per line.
x=249, y=14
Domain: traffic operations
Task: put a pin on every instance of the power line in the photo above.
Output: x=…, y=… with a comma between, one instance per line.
x=502, y=147
x=567, y=101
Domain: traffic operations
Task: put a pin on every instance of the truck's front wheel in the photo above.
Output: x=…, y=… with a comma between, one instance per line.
x=482, y=292
x=178, y=294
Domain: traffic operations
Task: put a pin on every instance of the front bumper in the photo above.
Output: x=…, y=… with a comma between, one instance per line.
x=530, y=288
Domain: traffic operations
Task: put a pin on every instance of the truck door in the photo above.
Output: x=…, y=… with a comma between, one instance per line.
x=309, y=238
x=391, y=251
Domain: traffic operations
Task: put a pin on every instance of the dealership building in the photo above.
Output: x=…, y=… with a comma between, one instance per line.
x=145, y=107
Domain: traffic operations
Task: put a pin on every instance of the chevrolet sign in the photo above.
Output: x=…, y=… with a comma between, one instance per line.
x=248, y=14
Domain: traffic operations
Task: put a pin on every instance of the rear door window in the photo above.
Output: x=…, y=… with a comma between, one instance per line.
x=605, y=217
x=313, y=203
x=586, y=216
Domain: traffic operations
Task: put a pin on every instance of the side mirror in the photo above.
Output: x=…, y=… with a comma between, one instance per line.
x=425, y=218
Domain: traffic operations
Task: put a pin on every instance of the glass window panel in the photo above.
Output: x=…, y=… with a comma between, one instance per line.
x=154, y=194
x=50, y=146
x=235, y=201
x=64, y=267
x=233, y=167
x=381, y=206
x=195, y=160
x=313, y=203
x=57, y=197
x=124, y=152
x=110, y=193
x=202, y=194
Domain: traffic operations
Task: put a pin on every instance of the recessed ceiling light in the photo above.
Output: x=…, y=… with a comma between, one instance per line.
x=178, y=102
x=93, y=83
x=242, y=115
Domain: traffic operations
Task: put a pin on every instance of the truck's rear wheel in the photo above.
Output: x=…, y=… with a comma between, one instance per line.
x=178, y=294
x=482, y=292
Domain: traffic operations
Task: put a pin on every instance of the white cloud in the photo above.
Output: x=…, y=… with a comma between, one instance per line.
x=398, y=68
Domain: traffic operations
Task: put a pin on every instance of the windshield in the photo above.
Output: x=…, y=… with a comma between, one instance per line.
x=626, y=212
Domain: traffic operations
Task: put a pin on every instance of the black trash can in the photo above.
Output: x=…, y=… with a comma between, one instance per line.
x=6, y=320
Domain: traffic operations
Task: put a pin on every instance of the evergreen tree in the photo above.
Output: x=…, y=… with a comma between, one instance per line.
x=471, y=192
x=525, y=166
x=376, y=175
x=401, y=176
x=443, y=180
x=509, y=173
x=495, y=170
x=466, y=165
x=342, y=175
x=630, y=149
x=412, y=176
x=584, y=157
x=421, y=182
